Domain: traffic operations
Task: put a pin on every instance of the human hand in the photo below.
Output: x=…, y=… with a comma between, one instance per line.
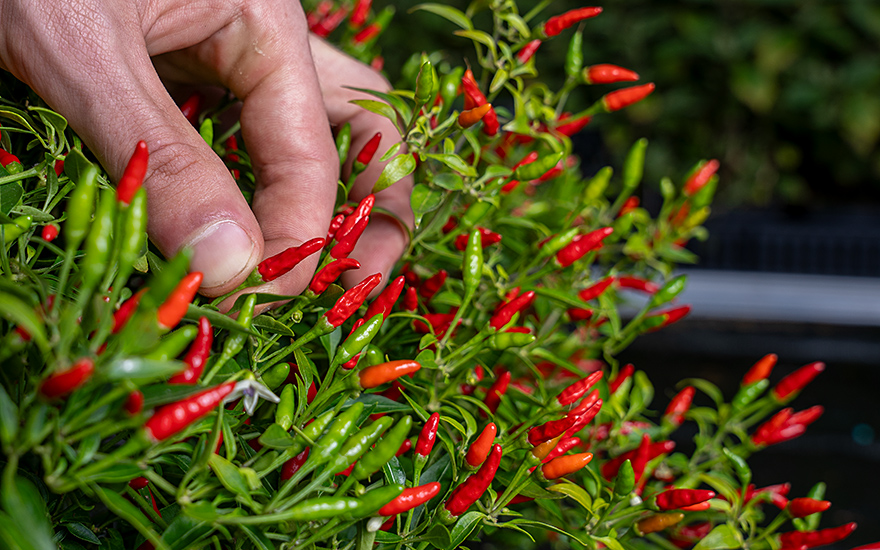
x=101, y=63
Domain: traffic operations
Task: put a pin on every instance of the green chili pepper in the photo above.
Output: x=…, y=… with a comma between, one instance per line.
x=574, y=59
x=634, y=166
x=359, y=339
x=373, y=356
x=336, y=435
x=449, y=86
x=383, y=451
x=284, y=410
x=80, y=206
x=15, y=229
x=504, y=340
x=235, y=341
x=313, y=431
x=322, y=508
x=343, y=141
x=360, y=443
x=558, y=242
x=534, y=170
x=626, y=480
x=472, y=270
x=474, y=214
x=597, y=185
x=748, y=393
x=276, y=375
x=670, y=290
x=134, y=228
x=740, y=467
x=206, y=130
x=265, y=461
x=426, y=83
x=173, y=344
x=370, y=503
x=97, y=250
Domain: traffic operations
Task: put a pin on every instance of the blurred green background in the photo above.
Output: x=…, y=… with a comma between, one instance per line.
x=785, y=93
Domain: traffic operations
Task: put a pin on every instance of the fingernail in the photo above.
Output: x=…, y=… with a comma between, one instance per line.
x=221, y=252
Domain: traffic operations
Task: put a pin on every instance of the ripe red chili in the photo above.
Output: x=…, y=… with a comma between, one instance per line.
x=595, y=290
x=133, y=175
x=559, y=23
x=410, y=498
x=584, y=418
x=618, y=99
x=49, y=232
x=7, y=158
x=569, y=128
x=366, y=34
x=335, y=224
x=581, y=245
x=496, y=390
x=463, y=496
x=349, y=302
x=294, y=464
x=488, y=239
x=345, y=244
x=386, y=300
x=511, y=308
x=61, y=383
x=134, y=403
x=279, y=264
x=125, y=311
x=631, y=204
x=810, y=539
x=608, y=74
x=610, y=468
x=428, y=436
x=175, y=417
x=564, y=465
x=481, y=446
x=328, y=24
x=637, y=283
x=796, y=381
x=550, y=430
x=669, y=316
x=803, y=507
x=138, y=483
x=192, y=107
x=565, y=444
x=377, y=375
x=430, y=287
x=359, y=13
x=679, y=406
x=674, y=499
x=330, y=272
x=574, y=392
x=526, y=52
x=404, y=447
x=197, y=355
x=760, y=370
x=700, y=177
x=174, y=307
x=621, y=377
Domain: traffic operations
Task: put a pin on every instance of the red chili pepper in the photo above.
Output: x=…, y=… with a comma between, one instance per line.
x=480, y=448
x=411, y=299
x=133, y=175
x=610, y=468
x=803, y=507
x=559, y=23
x=50, y=232
x=330, y=272
x=621, y=377
x=496, y=390
x=637, y=283
x=366, y=34
x=328, y=24
x=642, y=456
x=674, y=499
x=679, y=406
x=796, y=381
x=359, y=13
x=784, y=426
x=134, y=403
x=174, y=307
x=61, y=383
x=428, y=436
x=777, y=494
x=404, y=447
x=279, y=264
x=807, y=416
x=669, y=317
x=466, y=494
x=550, y=174
x=608, y=74
x=368, y=151
x=760, y=370
x=511, y=308
x=345, y=244
x=550, y=430
x=566, y=444
x=138, y=483
x=574, y=392
x=473, y=97
x=596, y=289
x=618, y=99
x=430, y=287
x=812, y=539
x=125, y=311
x=192, y=107
x=584, y=418
x=410, y=498
x=335, y=224
x=472, y=116
x=294, y=464
x=586, y=403
x=197, y=356
x=473, y=100
x=579, y=314
x=386, y=300
x=59, y=167
x=528, y=159
x=564, y=465
x=571, y=127
x=349, y=302
x=631, y=204
x=7, y=158
x=700, y=177
x=377, y=375
x=440, y=323
x=581, y=245
x=175, y=417
x=488, y=239
x=526, y=52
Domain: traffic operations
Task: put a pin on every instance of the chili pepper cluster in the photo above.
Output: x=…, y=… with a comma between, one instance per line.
x=476, y=393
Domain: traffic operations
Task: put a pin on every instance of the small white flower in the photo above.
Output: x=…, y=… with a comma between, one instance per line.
x=251, y=391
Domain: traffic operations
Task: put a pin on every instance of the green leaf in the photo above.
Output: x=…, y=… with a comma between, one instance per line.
x=446, y=180
x=574, y=491
x=185, y=532
x=394, y=472
x=17, y=312
x=424, y=200
x=479, y=37
x=161, y=394
x=402, y=166
x=454, y=162
x=706, y=387
x=230, y=477
x=129, y=513
x=80, y=531
x=22, y=501
x=272, y=325
x=463, y=528
x=10, y=195
x=257, y=537
x=447, y=12
x=276, y=437
x=438, y=536
x=218, y=320
x=141, y=370
x=722, y=537
x=377, y=107
x=610, y=542
x=117, y=473
x=377, y=404
x=8, y=418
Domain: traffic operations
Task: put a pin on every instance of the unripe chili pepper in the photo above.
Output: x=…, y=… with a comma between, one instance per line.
x=480, y=448
x=197, y=355
x=366, y=34
x=80, y=206
x=511, y=308
x=618, y=99
x=595, y=290
x=621, y=377
x=581, y=245
x=276, y=375
x=345, y=242
x=574, y=392
x=98, y=242
x=132, y=241
x=352, y=363
x=574, y=58
x=330, y=272
x=10, y=162
x=760, y=370
x=550, y=430
x=383, y=451
x=410, y=498
x=360, y=443
x=359, y=338
x=559, y=23
x=472, y=264
x=386, y=300
x=174, y=307
x=657, y=522
x=673, y=499
x=426, y=84
x=337, y=433
x=236, y=340
x=625, y=481
x=564, y=465
x=411, y=299
x=427, y=437
x=175, y=417
x=61, y=383
x=49, y=232
x=796, y=381
x=192, y=107
x=803, y=507
x=526, y=52
x=292, y=466
x=496, y=390
x=608, y=74
x=812, y=539
x=472, y=116
x=133, y=175
x=748, y=394
x=569, y=128
x=285, y=409
x=273, y=267
x=134, y=403
x=371, y=377
x=430, y=287
x=488, y=238
x=509, y=339
x=349, y=302
x=679, y=406
x=173, y=344
x=700, y=177
x=526, y=160
x=466, y=494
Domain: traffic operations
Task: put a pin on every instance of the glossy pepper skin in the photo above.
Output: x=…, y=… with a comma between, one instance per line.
x=197, y=355
x=550, y=430
x=125, y=311
x=466, y=494
x=700, y=177
x=528, y=51
x=134, y=403
x=810, y=539
x=377, y=375
x=496, y=391
x=803, y=507
x=330, y=272
x=679, y=406
x=61, y=383
x=328, y=446
x=293, y=465
x=369, y=150
x=575, y=391
x=349, y=302
x=621, y=377
x=170, y=419
x=674, y=499
x=133, y=176
x=487, y=238
x=433, y=284
x=619, y=99
x=174, y=307
x=608, y=74
x=658, y=522
x=596, y=289
x=428, y=436
x=559, y=23
x=49, y=232
x=760, y=370
x=504, y=314
x=564, y=465
x=480, y=448
x=566, y=444
x=472, y=116
x=581, y=245
x=474, y=98
x=410, y=498
x=383, y=451
x=793, y=383
x=386, y=300
x=275, y=266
